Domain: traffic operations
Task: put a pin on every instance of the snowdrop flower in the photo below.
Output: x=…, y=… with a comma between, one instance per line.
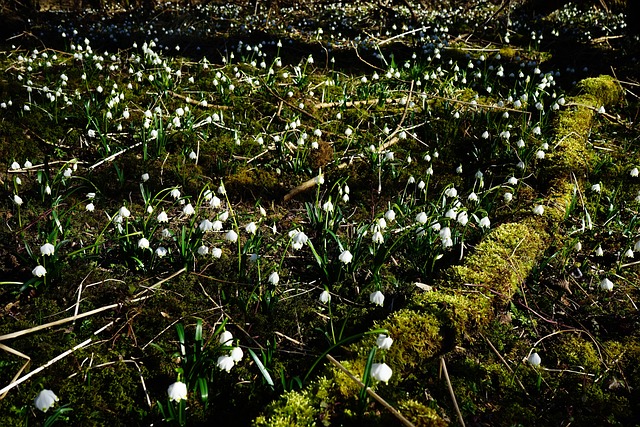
x=485, y=222
x=67, y=172
x=143, y=243
x=634, y=172
x=377, y=238
x=382, y=223
x=17, y=200
x=47, y=249
x=538, y=210
x=162, y=217
x=124, y=212
x=205, y=225
x=599, y=251
x=39, y=271
x=216, y=252
x=166, y=233
x=629, y=253
x=451, y=192
x=90, y=207
x=177, y=391
x=485, y=135
x=345, y=257
x=377, y=297
x=601, y=110
x=606, y=284
x=161, y=251
x=175, y=193
x=348, y=132
x=578, y=246
x=203, y=250
x=231, y=236
x=193, y=155
x=327, y=206
x=595, y=188
x=512, y=181
x=45, y=400
x=473, y=197
x=463, y=218
x=325, y=297
x=237, y=354
x=15, y=166
x=534, y=359
x=225, y=338
x=390, y=215
x=223, y=216
x=384, y=342
x=421, y=185
x=636, y=247
x=422, y=218
x=451, y=214
x=381, y=372
x=540, y=154
x=251, y=228
x=225, y=363
x=215, y=202
x=188, y=210
x=507, y=197
x=274, y=278
x=299, y=239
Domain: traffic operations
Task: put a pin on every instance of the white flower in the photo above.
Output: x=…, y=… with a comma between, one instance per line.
x=45, y=400
x=381, y=372
x=578, y=246
x=599, y=251
x=215, y=202
x=67, y=172
x=298, y=239
x=451, y=192
x=90, y=207
x=188, y=210
x=538, y=210
x=143, y=243
x=175, y=193
x=47, y=249
x=348, y=132
x=221, y=189
x=162, y=217
x=636, y=247
x=384, y=342
x=540, y=154
x=377, y=298
x=473, y=197
x=124, y=212
x=345, y=257
x=634, y=172
x=39, y=271
x=445, y=233
x=251, y=228
x=377, y=237
x=629, y=253
x=216, y=252
x=534, y=359
x=231, y=236
x=508, y=197
x=325, y=297
x=390, y=215
x=145, y=177
x=463, y=218
x=237, y=354
x=606, y=284
x=223, y=216
x=422, y=218
x=203, y=250
x=274, y=278
x=225, y=338
x=485, y=222
x=15, y=166
x=216, y=225
x=161, y=251
x=595, y=188
x=166, y=233
x=327, y=206
x=177, y=391
x=193, y=155
x=225, y=363
x=601, y=110
x=205, y=225
x=17, y=200
x=512, y=180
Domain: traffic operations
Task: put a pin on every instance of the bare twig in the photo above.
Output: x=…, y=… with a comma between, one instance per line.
x=372, y=393
x=443, y=367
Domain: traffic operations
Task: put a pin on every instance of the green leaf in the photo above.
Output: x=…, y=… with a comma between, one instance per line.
x=263, y=370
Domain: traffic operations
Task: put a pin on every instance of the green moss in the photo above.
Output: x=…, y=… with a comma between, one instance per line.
x=605, y=89
x=294, y=409
x=420, y=415
x=574, y=350
x=503, y=259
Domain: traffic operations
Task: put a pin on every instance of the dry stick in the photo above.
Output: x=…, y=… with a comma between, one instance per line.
x=188, y=100
x=443, y=366
x=114, y=155
x=52, y=361
x=302, y=187
x=372, y=393
x=26, y=364
x=495, y=350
